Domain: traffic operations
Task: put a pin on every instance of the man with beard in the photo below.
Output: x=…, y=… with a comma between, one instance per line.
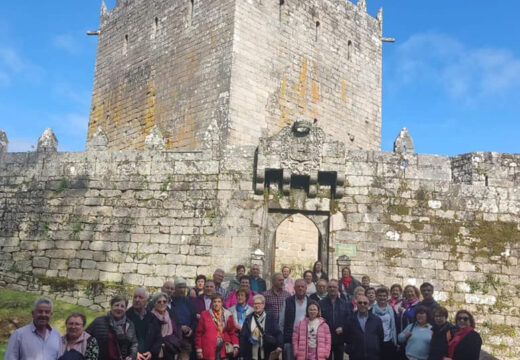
x=37, y=340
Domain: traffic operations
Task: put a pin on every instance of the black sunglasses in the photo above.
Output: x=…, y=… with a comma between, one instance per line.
x=463, y=318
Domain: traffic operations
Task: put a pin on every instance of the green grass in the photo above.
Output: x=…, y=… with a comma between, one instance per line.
x=15, y=311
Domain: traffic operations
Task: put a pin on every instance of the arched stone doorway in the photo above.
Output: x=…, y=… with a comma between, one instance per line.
x=296, y=244
x=271, y=219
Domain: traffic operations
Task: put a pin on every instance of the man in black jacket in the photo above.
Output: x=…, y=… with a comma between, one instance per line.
x=335, y=311
x=428, y=301
x=321, y=291
x=138, y=314
x=293, y=311
x=256, y=282
x=364, y=333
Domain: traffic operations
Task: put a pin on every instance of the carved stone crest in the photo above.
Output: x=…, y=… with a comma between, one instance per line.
x=301, y=148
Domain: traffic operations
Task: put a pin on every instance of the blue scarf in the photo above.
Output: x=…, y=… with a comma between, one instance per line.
x=376, y=310
x=241, y=313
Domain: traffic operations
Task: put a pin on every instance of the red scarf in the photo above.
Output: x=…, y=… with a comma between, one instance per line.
x=459, y=335
x=346, y=281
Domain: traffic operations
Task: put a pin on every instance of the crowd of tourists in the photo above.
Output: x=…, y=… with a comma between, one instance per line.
x=312, y=318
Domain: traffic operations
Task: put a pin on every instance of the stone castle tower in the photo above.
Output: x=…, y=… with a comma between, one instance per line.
x=246, y=68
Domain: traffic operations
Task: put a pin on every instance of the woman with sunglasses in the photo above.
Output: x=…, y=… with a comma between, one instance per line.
x=466, y=343
x=163, y=338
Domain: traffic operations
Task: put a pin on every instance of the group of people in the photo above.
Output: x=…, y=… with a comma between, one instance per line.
x=312, y=318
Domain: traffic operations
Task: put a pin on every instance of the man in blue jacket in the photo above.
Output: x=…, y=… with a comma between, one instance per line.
x=335, y=312
x=364, y=333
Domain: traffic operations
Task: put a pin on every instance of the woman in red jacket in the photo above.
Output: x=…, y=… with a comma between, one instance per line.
x=215, y=337
x=311, y=336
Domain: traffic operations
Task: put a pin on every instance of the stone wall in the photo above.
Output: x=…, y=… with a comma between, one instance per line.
x=87, y=225
x=244, y=68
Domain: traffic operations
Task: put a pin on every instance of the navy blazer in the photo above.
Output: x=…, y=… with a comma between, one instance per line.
x=335, y=316
x=271, y=327
x=364, y=345
x=198, y=304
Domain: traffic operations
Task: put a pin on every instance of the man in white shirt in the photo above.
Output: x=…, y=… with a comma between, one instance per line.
x=37, y=340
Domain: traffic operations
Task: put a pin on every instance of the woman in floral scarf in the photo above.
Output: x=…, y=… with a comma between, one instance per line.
x=215, y=337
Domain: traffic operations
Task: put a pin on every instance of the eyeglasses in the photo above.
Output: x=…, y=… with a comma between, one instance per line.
x=462, y=318
x=161, y=302
x=362, y=302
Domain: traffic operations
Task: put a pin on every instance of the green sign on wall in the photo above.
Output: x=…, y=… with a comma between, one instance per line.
x=346, y=249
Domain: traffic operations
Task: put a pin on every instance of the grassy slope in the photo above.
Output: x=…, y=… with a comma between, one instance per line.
x=15, y=311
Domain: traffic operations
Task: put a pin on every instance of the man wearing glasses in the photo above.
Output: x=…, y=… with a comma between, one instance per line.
x=364, y=333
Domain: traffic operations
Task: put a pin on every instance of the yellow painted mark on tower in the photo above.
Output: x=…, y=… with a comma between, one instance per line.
x=315, y=91
x=344, y=90
x=117, y=110
x=282, y=100
x=148, y=120
x=96, y=116
x=301, y=87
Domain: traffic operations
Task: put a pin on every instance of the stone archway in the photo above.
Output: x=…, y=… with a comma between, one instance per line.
x=271, y=220
x=296, y=244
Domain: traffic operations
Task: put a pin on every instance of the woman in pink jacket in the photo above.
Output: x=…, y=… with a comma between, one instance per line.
x=311, y=336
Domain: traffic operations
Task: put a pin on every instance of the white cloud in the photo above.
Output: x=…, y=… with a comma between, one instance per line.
x=73, y=124
x=71, y=92
x=464, y=72
x=12, y=64
x=21, y=144
x=67, y=42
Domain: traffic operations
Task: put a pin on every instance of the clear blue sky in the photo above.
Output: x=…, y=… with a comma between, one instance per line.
x=452, y=78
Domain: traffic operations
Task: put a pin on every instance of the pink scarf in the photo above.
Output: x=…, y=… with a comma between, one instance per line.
x=166, y=323
x=408, y=303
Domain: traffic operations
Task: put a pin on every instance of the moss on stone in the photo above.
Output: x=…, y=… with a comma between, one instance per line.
x=391, y=253
x=492, y=236
x=417, y=225
x=399, y=210
x=63, y=185
x=59, y=284
x=399, y=227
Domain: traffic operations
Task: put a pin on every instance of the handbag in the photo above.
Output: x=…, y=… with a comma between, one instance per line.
x=229, y=348
x=268, y=338
x=171, y=345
